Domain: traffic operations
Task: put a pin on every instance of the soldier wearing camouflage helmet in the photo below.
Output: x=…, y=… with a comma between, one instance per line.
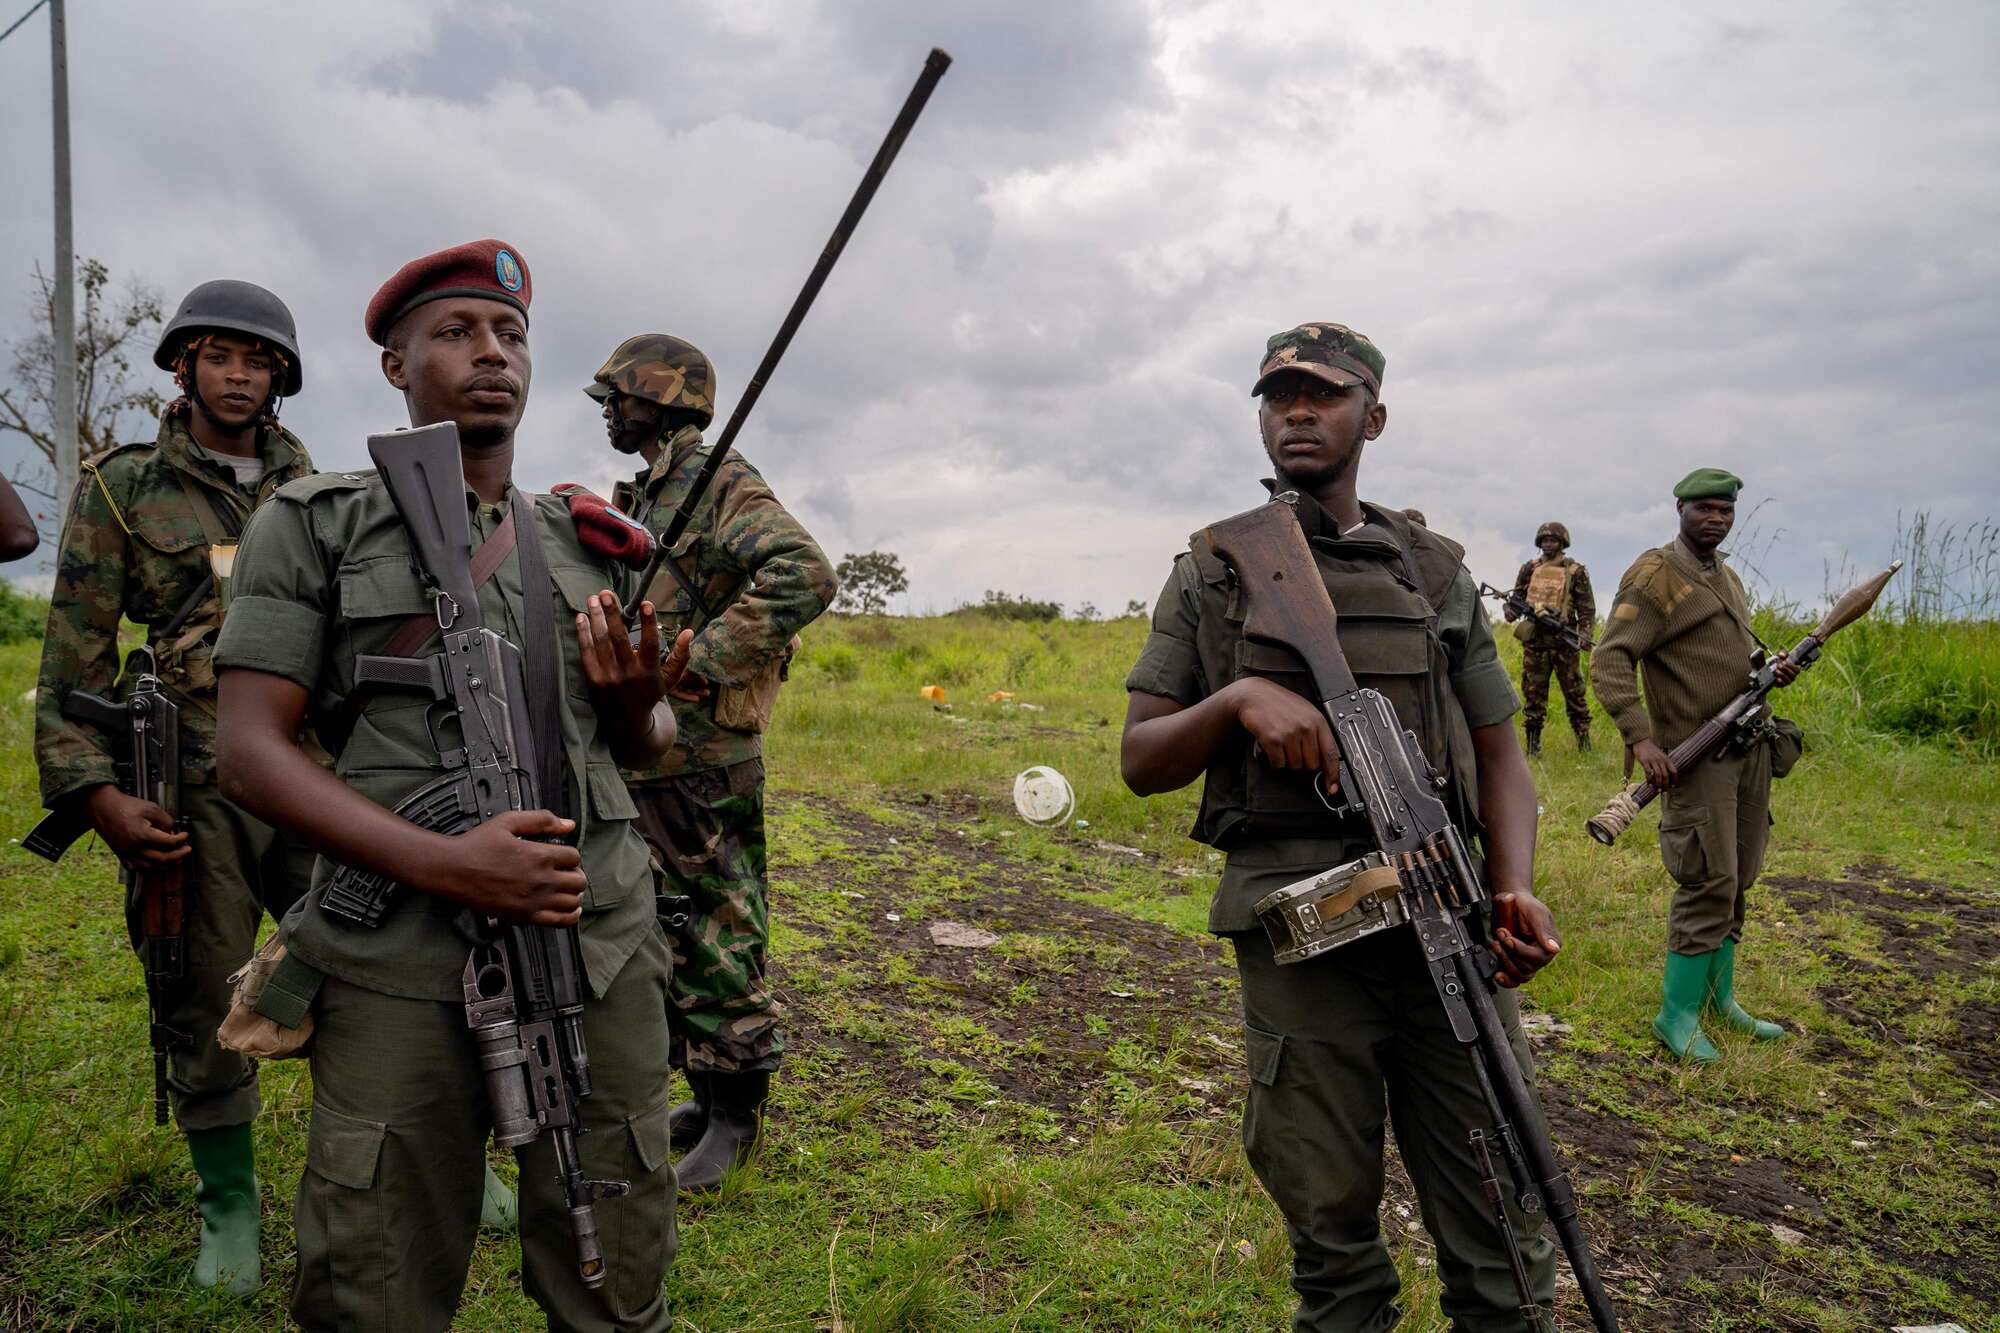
x=1339, y=1044
x=150, y=538
x=746, y=578
x=1558, y=586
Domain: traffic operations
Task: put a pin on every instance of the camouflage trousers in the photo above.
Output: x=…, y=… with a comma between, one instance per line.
x=1537, y=663
x=707, y=829
x=240, y=868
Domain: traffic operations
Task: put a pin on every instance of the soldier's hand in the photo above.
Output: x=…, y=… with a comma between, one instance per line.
x=1524, y=936
x=622, y=674
x=496, y=871
x=1660, y=770
x=1291, y=731
x=139, y=833
x=674, y=673
x=1784, y=670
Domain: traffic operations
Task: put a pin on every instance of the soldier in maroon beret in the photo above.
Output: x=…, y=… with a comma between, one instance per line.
x=389, y=1204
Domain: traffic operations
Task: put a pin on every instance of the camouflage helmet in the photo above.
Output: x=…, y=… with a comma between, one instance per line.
x=227, y=306
x=1552, y=529
x=661, y=369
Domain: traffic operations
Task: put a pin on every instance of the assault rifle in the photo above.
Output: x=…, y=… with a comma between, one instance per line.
x=1743, y=720
x=1520, y=606
x=1421, y=873
x=523, y=983
x=145, y=734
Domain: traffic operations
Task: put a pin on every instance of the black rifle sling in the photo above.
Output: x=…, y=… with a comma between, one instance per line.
x=223, y=518
x=540, y=662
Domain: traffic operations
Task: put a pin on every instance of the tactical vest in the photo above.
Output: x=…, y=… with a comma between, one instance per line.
x=1548, y=587
x=1387, y=600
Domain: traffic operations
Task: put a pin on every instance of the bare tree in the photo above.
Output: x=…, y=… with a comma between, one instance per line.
x=110, y=328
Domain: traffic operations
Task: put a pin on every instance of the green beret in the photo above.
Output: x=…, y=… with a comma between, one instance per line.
x=1332, y=352
x=1708, y=483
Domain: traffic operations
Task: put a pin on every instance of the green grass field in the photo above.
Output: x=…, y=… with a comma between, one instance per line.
x=1042, y=1135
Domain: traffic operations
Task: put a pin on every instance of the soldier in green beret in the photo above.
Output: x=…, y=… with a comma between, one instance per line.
x=1344, y=1042
x=745, y=577
x=151, y=538
x=1682, y=618
x=1558, y=586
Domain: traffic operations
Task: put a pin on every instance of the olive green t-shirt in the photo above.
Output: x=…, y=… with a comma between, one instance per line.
x=324, y=574
x=1170, y=666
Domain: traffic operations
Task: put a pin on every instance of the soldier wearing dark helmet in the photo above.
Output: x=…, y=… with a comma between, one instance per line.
x=151, y=537
x=746, y=578
x=1556, y=585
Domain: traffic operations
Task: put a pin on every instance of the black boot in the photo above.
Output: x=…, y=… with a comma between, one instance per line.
x=1534, y=742
x=735, y=1116
x=687, y=1122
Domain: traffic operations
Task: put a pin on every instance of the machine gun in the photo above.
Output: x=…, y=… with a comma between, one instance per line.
x=1422, y=873
x=145, y=735
x=523, y=983
x=1743, y=719
x=1520, y=606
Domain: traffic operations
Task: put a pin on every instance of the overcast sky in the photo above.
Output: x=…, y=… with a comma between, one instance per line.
x=1599, y=245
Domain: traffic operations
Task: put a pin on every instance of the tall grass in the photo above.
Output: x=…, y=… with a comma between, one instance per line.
x=1925, y=663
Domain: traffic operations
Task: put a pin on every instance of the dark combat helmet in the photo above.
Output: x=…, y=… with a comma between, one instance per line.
x=1552, y=529
x=228, y=306
x=661, y=369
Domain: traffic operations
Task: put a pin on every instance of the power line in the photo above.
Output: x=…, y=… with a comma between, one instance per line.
x=23, y=19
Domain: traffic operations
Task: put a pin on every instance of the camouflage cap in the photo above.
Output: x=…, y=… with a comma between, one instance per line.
x=1708, y=483
x=1332, y=352
x=1552, y=529
x=661, y=369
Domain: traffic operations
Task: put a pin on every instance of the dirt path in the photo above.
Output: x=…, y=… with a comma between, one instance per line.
x=1077, y=1009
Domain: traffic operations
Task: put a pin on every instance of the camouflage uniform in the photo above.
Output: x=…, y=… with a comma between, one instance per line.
x=760, y=579
x=137, y=546
x=1542, y=651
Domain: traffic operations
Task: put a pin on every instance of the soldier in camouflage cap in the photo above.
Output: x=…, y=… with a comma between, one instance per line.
x=1207, y=702
x=746, y=578
x=151, y=538
x=1555, y=585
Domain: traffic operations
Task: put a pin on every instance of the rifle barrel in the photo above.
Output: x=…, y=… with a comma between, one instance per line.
x=935, y=65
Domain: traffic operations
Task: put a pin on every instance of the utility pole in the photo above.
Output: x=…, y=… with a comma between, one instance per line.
x=64, y=332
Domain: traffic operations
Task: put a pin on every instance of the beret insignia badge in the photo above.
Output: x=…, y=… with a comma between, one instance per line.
x=508, y=270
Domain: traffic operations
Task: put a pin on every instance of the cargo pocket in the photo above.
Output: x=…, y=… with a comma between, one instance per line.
x=644, y=1240
x=342, y=1221
x=1681, y=835
x=620, y=871
x=1264, y=1051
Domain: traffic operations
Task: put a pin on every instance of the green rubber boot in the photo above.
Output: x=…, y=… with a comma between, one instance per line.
x=1722, y=997
x=226, y=1161
x=497, y=1210
x=1678, y=1024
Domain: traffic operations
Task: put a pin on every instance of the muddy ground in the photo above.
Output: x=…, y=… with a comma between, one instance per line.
x=1077, y=1006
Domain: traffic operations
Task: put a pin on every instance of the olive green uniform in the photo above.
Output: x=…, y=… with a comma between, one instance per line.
x=1684, y=622
x=1340, y=1042
x=760, y=579
x=137, y=546
x=389, y=1202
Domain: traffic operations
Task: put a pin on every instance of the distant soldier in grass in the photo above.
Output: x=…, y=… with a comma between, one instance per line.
x=1340, y=1042
x=1556, y=586
x=151, y=537
x=1681, y=616
x=746, y=577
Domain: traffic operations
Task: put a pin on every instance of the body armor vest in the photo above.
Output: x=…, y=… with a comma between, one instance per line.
x=1548, y=587
x=1387, y=597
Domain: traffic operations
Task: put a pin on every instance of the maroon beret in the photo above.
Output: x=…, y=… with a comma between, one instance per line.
x=491, y=270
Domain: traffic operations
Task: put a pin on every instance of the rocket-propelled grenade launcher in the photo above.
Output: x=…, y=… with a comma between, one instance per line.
x=1743, y=721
